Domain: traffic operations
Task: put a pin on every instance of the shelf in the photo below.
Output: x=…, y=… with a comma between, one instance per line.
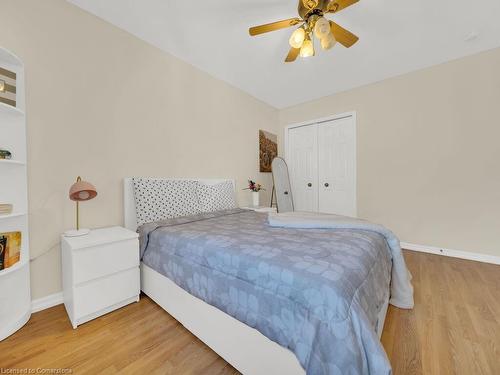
x=10, y=161
x=14, y=268
x=10, y=110
x=15, y=300
x=14, y=214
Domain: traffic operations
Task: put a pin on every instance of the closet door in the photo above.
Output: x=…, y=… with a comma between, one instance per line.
x=303, y=165
x=337, y=166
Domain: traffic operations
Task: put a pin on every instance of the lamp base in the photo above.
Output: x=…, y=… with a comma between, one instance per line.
x=76, y=232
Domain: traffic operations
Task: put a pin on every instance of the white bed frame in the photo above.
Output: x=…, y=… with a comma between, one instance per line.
x=243, y=347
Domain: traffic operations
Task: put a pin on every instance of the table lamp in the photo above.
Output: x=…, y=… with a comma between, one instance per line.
x=80, y=191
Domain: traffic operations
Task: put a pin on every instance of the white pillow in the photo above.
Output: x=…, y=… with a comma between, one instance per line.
x=158, y=199
x=216, y=197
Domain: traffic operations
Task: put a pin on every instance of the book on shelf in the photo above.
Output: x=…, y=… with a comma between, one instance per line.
x=10, y=249
x=5, y=208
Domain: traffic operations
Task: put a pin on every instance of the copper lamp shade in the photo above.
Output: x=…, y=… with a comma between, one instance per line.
x=80, y=191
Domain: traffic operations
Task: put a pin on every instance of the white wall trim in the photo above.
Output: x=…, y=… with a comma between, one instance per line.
x=323, y=119
x=43, y=303
x=478, y=257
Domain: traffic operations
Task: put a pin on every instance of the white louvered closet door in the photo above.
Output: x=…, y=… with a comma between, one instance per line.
x=322, y=161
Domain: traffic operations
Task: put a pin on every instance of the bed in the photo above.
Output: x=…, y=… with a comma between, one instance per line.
x=242, y=345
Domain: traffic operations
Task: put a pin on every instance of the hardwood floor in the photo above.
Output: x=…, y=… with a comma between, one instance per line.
x=455, y=325
x=453, y=329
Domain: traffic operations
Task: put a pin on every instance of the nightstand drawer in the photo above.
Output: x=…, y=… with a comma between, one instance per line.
x=94, y=262
x=99, y=294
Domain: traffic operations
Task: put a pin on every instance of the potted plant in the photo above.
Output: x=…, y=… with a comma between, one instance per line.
x=254, y=187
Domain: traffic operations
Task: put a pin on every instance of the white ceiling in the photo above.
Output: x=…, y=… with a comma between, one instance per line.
x=396, y=36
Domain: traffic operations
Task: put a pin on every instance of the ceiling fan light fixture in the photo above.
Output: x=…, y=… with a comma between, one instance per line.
x=321, y=28
x=328, y=41
x=297, y=38
x=312, y=23
x=307, y=49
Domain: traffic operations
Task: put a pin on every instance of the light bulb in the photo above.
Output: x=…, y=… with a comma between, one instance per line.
x=307, y=48
x=297, y=38
x=84, y=195
x=328, y=41
x=321, y=28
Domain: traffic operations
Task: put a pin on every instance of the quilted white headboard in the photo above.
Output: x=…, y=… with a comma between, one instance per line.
x=129, y=213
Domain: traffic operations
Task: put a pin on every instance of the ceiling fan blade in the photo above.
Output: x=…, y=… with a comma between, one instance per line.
x=343, y=36
x=336, y=6
x=292, y=55
x=256, y=30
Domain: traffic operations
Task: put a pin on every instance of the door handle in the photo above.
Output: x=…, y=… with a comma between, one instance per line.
x=327, y=184
x=285, y=192
x=309, y=184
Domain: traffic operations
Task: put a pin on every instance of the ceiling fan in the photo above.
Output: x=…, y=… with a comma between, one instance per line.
x=312, y=21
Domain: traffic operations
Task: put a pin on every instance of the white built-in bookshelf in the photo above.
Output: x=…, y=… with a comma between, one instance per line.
x=15, y=298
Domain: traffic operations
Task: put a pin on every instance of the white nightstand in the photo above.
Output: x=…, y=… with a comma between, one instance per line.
x=260, y=208
x=100, y=272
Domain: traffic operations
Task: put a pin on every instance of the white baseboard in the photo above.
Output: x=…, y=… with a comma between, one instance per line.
x=478, y=257
x=43, y=303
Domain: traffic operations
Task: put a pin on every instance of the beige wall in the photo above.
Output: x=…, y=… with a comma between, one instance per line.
x=428, y=152
x=104, y=105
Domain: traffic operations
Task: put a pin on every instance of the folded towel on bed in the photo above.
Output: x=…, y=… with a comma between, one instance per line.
x=401, y=288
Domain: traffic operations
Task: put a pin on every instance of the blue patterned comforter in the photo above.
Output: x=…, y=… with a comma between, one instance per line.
x=316, y=292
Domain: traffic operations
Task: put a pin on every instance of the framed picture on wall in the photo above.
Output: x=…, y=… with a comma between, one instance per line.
x=268, y=149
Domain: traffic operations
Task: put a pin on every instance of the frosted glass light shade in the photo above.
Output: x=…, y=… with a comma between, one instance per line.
x=328, y=41
x=307, y=48
x=297, y=38
x=321, y=28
